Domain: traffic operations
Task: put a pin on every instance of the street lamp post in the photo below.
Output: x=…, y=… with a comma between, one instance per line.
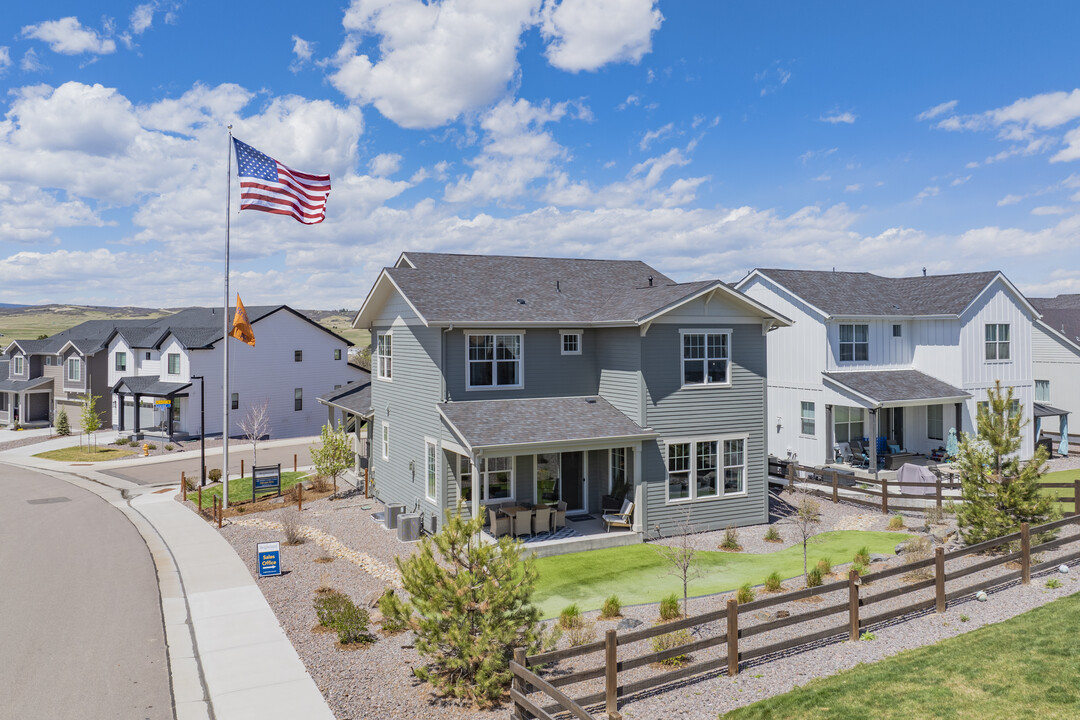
x=202, y=426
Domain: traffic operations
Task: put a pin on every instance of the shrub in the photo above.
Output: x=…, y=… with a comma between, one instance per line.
x=669, y=607
x=744, y=594
x=320, y=484
x=731, y=539
x=964, y=618
x=859, y=568
x=338, y=612
x=896, y=522
x=151, y=446
x=582, y=634
x=825, y=565
x=916, y=550
x=813, y=578
x=935, y=516
x=570, y=617
x=168, y=446
x=867, y=636
x=119, y=441
x=612, y=607
x=63, y=425
x=670, y=640
x=1053, y=583
x=773, y=535
x=190, y=483
x=468, y=608
x=772, y=583
x=550, y=640
x=389, y=623
x=290, y=525
x=328, y=605
x=862, y=556
x=214, y=474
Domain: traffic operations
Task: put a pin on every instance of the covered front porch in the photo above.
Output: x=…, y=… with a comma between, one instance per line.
x=880, y=420
x=146, y=405
x=545, y=470
x=27, y=403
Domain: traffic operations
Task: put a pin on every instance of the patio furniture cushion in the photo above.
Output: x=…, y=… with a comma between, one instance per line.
x=542, y=520
x=499, y=523
x=522, y=523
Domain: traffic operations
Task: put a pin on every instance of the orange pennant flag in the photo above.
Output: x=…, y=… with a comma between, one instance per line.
x=241, y=328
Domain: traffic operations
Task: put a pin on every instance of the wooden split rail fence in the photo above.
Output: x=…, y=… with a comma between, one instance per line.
x=827, y=483
x=526, y=669
x=1071, y=501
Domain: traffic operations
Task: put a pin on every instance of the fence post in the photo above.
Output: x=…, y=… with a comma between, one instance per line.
x=732, y=637
x=1025, y=554
x=835, y=486
x=242, y=470
x=1076, y=497
x=611, y=667
x=294, y=462
x=939, y=578
x=200, y=500
x=220, y=513
x=937, y=491
x=884, y=495
x=791, y=476
x=183, y=483
x=519, y=684
x=853, y=603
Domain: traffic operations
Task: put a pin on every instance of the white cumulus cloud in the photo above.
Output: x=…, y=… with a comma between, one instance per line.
x=588, y=34
x=67, y=36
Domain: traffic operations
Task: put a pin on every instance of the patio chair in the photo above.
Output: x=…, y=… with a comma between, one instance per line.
x=522, y=523
x=500, y=524
x=623, y=518
x=559, y=517
x=842, y=452
x=541, y=520
x=859, y=456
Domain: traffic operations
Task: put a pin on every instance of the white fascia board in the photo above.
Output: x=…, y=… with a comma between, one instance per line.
x=846, y=317
x=370, y=300
x=65, y=346
x=871, y=403
x=13, y=343
x=404, y=261
x=595, y=443
x=1011, y=288
x=772, y=281
x=719, y=286
x=460, y=435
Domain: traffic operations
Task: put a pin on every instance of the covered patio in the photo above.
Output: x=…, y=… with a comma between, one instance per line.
x=1043, y=411
x=161, y=416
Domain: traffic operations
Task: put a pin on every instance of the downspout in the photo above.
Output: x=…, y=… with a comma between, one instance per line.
x=442, y=370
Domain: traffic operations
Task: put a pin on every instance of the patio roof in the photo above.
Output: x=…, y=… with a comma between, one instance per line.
x=15, y=386
x=354, y=398
x=894, y=388
x=561, y=421
x=1044, y=410
x=148, y=385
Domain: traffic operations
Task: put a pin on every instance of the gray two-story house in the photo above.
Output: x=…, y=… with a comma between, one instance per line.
x=541, y=379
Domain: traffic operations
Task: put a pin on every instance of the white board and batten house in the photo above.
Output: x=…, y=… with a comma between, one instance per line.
x=906, y=359
x=1056, y=361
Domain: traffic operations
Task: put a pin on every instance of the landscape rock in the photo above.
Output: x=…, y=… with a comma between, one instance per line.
x=1063, y=568
x=782, y=614
x=941, y=534
x=628, y=624
x=980, y=596
x=900, y=548
x=878, y=557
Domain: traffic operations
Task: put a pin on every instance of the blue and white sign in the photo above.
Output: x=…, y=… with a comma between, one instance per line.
x=268, y=557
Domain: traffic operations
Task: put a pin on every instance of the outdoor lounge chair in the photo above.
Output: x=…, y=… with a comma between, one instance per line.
x=559, y=516
x=541, y=520
x=523, y=523
x=859, y=456
x=623, y=518
x=500, y=524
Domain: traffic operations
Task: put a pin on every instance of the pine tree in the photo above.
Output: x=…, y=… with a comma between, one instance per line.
x=63, y=425
x=468, y=609
x=999, y=491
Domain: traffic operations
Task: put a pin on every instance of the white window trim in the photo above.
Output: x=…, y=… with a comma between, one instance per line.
x=430, y=444
x=78, y=367
x=998, y=344
x=942, y=430
x=813, y=418
x=562, y=342
x=379, y=356
x=494, y=371
x=719, y=439
x=116, y=361
x=611, y=466
x=853, y=342
x=485, y=494
x=682, y=358
x=1036, y=391
x=20, y=365
x=385, y=440
x=558, y=485
x=168, y=364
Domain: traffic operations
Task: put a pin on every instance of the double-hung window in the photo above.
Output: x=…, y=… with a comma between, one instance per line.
x=74, y=368
x=934, y=424
x=494, y=361
x=497, y=476
x=997, y=341
x=706, y=357
x=298, y=399
x=174, y=363
x=19, y=364
x=847, y=423
x=386, y=441
x=808, y=423
x=431, y=457
x=696, y=466
x=617, y=464
x=121, y=362
x=854, y=343
x=385, y=356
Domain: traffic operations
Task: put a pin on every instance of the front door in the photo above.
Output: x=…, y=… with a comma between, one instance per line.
x=573, y=481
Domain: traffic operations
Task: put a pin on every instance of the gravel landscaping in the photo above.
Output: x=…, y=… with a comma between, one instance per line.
x=377, y=680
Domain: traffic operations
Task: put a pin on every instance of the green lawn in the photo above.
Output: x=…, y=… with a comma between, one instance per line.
x=240, y=489
x=1026, y=667
x=637, y=573
x=80, y=454
x=1060, y=476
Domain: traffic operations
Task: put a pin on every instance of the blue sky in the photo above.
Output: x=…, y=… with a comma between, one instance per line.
x=706, y=138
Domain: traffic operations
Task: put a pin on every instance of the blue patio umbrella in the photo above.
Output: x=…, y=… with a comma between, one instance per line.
x=1063, y=448
x=952, y=446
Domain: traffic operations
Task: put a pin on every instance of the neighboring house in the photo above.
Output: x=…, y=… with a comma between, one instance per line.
x=44, y=376
x=902, y=358
x=538, y=379
x=1055, y=351
x=294, y=360
x=349, y=407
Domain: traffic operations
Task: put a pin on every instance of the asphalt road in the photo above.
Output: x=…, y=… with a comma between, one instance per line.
x=81, y=632
x=170, y=471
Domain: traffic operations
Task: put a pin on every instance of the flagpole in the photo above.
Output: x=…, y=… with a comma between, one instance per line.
x=225, y=334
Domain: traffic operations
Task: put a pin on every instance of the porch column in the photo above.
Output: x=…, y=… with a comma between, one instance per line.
x=169, y=412
x=138, y=424
x=829, y=435
x=639, y=491
x=120, y=405
x=873, y=440
x=959, y=419
x=330, y=415
x=475, y=462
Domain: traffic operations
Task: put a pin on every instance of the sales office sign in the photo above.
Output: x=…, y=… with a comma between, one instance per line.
x=268, y=557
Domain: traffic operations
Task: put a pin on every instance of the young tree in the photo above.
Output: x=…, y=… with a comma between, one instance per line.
x=63, y=425
x=999, y=491
x=804, y=518
x=680, y=556
x=256, y=426
x=91, y=420
x=469, y=608
x=334, y=455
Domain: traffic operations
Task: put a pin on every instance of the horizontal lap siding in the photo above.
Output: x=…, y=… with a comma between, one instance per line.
x=408, y=403
x=619, y=360
x=1059, y=363
x=675, y=412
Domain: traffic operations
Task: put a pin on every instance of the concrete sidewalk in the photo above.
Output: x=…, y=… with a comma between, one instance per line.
x=228, y=655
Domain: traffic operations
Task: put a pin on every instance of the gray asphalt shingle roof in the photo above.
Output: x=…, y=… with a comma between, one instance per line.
x=862, y=293
x=23, y=385
x=892, y=386
x=486, y=288
x=354, y=397
x=1062, y=313
x=491, y=423
x=150, y=385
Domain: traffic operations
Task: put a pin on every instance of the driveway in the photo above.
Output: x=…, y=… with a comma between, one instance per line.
x=82, y=628
x=160, y=472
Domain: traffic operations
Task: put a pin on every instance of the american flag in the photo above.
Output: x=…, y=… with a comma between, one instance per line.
x=269, y=186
